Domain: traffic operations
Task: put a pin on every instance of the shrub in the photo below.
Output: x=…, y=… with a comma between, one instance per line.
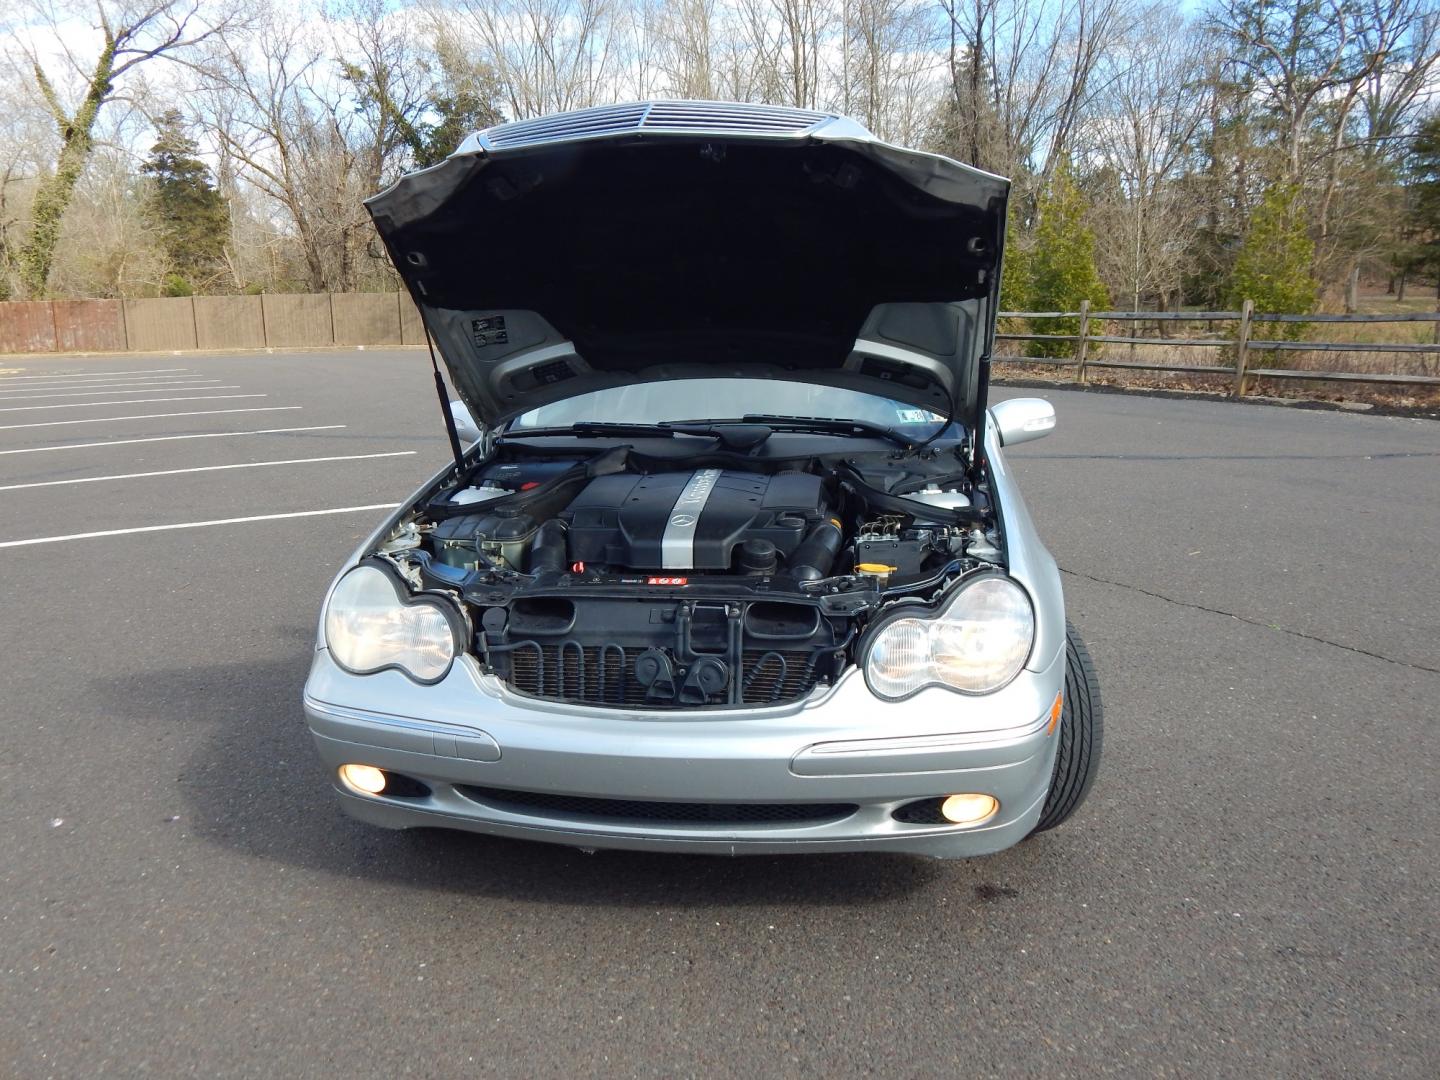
x=175, y=285
x=1061, y=267
x=1273, y=267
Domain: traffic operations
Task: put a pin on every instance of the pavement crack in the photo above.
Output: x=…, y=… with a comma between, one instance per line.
x=1252, y=622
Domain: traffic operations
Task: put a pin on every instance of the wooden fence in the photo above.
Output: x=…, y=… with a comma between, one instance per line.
x=1242, y=344
x=164, y=324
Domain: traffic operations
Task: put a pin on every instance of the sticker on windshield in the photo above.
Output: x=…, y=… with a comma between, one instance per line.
x=918, y=416
x=489, y=331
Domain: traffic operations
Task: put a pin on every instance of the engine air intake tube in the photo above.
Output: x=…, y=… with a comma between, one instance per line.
x=816, y=554
x=547, y=550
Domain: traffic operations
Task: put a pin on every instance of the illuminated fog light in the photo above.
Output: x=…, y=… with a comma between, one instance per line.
x=969, y=809
x=365, y=778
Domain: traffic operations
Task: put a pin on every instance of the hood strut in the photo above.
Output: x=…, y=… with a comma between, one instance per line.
x=982, y=408
x=455, y=449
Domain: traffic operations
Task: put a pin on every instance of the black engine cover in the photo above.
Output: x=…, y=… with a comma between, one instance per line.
x=689, y=520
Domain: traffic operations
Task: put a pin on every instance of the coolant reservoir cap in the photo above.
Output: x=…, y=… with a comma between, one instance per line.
x=874, y=568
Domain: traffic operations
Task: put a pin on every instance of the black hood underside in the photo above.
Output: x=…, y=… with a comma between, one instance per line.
x=545, y=272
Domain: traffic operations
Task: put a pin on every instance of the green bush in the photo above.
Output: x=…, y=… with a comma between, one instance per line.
x=175, y=285
x=1273, y=267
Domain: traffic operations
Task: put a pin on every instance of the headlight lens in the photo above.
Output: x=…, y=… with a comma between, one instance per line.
x=369, y=627
x=976, y=644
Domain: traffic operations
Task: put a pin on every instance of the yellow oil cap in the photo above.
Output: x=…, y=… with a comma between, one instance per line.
x=874, y=568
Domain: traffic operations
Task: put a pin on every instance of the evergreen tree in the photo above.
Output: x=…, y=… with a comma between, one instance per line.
x=1061, y=266
x=1273, y=267
x=1421, y=251
x=1014, y=273
x=190, y=216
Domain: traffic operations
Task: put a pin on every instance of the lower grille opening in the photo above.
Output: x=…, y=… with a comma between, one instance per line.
x=923, y=812
x=639, y=810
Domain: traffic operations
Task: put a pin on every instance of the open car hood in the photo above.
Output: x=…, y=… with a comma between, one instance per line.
x=670, y=240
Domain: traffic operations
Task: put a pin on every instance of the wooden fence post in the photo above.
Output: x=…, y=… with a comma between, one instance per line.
x=1242, y=346
x=1081, y=346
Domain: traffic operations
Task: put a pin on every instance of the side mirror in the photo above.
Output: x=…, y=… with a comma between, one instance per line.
x=1022, y=419
x=465, y=425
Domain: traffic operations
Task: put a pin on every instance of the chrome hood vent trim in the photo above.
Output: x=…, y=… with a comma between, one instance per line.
x=603, y=120
x=585, y=123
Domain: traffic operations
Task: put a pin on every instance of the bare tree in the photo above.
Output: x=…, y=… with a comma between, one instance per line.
x=1297, y=55
x=1141, y=132
x=889, y=67
x=1406, y=36
x=688, y=47
x=374, y=128
x=803, y=28
x=108, y=246
x=550, y=55
x=1022, y=77
x=317, y=136
x=263, y=116
x=130, y=34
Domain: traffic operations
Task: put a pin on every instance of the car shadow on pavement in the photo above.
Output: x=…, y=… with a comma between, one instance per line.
x=254, y=785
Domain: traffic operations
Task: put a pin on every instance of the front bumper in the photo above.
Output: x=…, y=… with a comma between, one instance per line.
x=841, y=745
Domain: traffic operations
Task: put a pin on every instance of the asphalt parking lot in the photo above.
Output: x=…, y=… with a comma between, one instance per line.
x=1250, y=890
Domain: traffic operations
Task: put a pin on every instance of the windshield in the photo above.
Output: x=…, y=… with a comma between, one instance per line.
x=725, y=399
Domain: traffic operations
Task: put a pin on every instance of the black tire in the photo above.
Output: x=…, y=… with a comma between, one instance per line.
x=1082, y=730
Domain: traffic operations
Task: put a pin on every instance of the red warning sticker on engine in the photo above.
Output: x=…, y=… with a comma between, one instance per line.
x=667, y=581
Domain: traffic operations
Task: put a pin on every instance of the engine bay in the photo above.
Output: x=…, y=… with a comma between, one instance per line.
x=618, y=579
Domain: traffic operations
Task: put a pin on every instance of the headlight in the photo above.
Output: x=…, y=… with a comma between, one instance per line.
x=976, y=644
x=372, y=623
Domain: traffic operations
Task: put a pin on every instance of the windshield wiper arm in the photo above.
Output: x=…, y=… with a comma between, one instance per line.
x=733, y=438
x=600, y=428
x=818, y=425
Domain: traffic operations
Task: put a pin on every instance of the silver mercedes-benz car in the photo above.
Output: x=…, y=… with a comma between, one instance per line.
x=728, y=558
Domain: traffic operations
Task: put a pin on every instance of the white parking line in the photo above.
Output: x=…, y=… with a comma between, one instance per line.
x=133, y=401
x=36, y=395
x=93, y=374
x=150, y=416
x=144, y=380
x=207, y=468
x=196, y=524
x=127, y=386
x=171, y=438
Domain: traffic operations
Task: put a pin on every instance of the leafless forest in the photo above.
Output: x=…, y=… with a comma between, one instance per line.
x=154, y=146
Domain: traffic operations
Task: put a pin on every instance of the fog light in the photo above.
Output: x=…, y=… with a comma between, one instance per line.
x=968, y=809
x=364, y=778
